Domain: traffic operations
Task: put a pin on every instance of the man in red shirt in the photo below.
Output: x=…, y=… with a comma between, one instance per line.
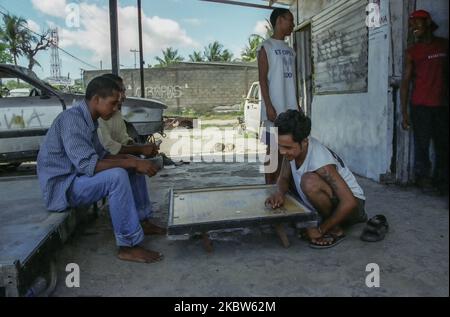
x=427, y=68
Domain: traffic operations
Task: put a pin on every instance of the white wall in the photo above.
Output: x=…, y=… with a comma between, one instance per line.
x=358, y=126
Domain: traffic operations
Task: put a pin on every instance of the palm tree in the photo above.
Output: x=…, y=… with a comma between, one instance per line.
x=170, y=57
x=249, y=53
x=214, y=52
x=14, y=35
x=227, y=56
x=196, y=57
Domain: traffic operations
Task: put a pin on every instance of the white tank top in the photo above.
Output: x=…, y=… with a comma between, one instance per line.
x=281, y=77
x=319, y=156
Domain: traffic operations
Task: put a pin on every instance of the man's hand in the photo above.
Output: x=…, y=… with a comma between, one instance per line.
x=145, y=167
x=405, y=122
x=271, y=113
x=149, y=150
x=276, y=200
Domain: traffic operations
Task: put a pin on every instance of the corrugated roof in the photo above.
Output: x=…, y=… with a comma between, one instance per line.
x=268, y=4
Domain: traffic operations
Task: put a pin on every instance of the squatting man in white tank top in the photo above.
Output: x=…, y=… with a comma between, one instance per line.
x=319, y=177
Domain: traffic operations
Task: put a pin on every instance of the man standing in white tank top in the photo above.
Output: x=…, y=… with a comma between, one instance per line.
x=320, y=178
x=276, y=64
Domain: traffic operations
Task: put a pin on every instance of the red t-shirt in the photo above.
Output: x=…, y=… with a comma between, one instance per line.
x=431, y=72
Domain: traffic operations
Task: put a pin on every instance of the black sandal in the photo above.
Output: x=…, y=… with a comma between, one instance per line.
x=376, y=229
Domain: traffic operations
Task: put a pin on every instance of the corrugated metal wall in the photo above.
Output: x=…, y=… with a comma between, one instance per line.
x=340, y=50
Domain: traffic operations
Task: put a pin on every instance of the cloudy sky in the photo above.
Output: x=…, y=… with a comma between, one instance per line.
x=186, y=25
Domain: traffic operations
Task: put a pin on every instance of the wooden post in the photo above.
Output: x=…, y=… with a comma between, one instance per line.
x=279, y=228
x=207, y=243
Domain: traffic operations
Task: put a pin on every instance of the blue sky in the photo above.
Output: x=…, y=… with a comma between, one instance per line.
x=186, y=25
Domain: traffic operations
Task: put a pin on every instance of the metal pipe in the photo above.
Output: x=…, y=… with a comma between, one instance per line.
x=141, y=50
x=244, y=4
x=114, y=30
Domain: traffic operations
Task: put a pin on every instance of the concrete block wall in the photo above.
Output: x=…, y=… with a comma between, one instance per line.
x=197, y=86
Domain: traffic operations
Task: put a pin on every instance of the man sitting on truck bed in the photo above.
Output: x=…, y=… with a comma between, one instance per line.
x=75, y=170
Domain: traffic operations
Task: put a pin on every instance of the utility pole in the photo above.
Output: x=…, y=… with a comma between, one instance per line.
x=135, y=60
x=132, y=72
x=141, y=50
x=101, y=65
x=82, y=77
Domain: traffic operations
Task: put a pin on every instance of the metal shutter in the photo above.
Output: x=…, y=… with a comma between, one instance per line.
x=340, y=50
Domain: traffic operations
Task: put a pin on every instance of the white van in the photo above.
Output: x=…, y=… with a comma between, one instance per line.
x=19, y=92
x=252, y=108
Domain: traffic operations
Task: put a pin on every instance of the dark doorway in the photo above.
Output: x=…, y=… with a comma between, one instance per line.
x=304, y=68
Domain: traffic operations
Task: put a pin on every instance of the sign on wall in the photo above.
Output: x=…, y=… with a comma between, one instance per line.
x=340, y=48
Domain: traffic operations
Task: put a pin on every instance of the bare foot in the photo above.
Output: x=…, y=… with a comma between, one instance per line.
x=139, y=254
x=152, y=229
x=337, y=231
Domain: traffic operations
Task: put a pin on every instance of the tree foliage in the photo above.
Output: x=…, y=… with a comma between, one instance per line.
x=170, y=57
x=18, y=40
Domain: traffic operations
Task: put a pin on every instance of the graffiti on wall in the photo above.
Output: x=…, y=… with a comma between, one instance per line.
x=162, y=92
x=341, y=63
x=22, y=120
x=341, y=58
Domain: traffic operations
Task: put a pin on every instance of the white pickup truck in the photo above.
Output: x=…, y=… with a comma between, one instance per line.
x=252, y=108
x=25, y=119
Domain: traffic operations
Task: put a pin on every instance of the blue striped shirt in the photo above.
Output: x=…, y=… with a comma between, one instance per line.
x=70, y=148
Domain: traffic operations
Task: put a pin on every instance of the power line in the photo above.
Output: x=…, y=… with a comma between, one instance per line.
x=41, y=35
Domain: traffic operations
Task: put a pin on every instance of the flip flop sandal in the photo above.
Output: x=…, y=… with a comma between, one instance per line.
x=335, y=241
x=376, y=229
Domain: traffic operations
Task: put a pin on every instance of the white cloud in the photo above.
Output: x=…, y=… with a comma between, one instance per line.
x=55, y=8
x=94, y=35
x=260, y=27
x=33, y=26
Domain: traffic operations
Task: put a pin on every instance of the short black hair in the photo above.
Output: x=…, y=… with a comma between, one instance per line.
x=276, y=14
x=114, y=77
x=295, y=123
x=102, y=87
